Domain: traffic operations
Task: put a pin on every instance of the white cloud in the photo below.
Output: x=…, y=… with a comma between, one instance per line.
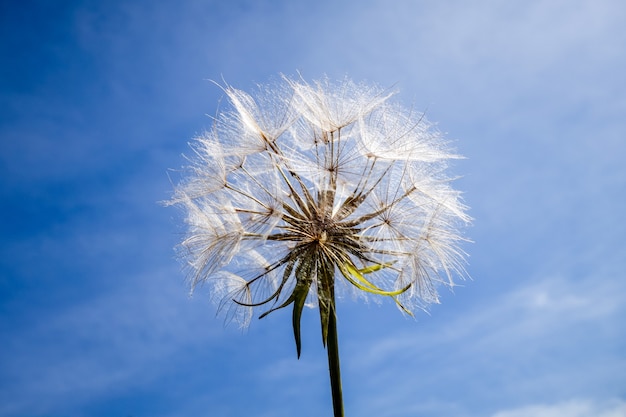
x=574, y=408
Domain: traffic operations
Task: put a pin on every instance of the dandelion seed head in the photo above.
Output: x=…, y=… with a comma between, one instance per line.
x=303, y=189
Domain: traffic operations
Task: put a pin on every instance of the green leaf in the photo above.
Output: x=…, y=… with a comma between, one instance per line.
x=283, y=305
x=325, y=294
x=375, y=267
x=303, y=284
x=348, y=269
x=363, y=284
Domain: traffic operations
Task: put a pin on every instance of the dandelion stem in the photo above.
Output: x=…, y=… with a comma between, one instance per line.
x=332, y=348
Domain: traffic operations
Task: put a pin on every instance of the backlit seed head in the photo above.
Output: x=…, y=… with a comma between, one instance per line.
x=301, y=190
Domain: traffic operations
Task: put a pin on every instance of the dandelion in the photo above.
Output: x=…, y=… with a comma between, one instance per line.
x=306, y=190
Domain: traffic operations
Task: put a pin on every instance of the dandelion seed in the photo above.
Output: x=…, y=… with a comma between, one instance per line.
x=305, y=190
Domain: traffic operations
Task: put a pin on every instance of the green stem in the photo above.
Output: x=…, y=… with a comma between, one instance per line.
x=332, y=348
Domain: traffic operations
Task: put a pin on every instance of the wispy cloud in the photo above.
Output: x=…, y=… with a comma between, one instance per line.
x=522, y=344
x=573, y=408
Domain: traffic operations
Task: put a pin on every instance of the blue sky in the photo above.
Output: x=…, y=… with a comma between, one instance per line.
x=99, y=100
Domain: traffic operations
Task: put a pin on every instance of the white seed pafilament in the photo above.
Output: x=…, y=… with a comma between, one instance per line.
x=304, y=189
